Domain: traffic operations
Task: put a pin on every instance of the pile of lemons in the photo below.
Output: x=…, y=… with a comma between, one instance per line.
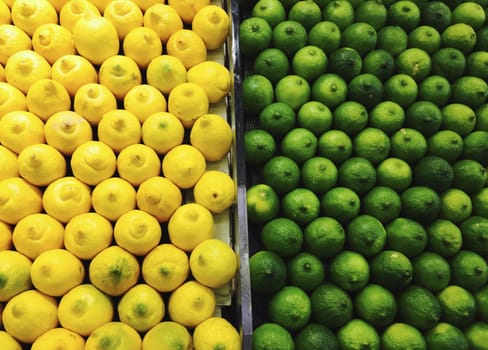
x=111, y=176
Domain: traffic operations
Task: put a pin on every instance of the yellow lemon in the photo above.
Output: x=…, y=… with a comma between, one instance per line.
x=12, y=40
x=92, y=162
x=212, y=135
x=25, y=67
x=167, y=335
x=113, y=197
x=95, y=38
x=191, y=303
x=159, y=197
x=114, y=270
x=216, y=332
x=125, y=16
x=162, y=131
x=53, y=41
x=165, y=267
x=119, y=128
x=15, y=274
x=142, y=44
x=11, y=99
x=184, y=164
x=137, y=232
x=212, y=23
x=188, y=102
x=215, y=190
x=188, y=8
x=137, y=163
x=55, y=271
x=73, y=10
x=100, y=4
x=118, y=335
x=144, y=100
x=187, y=46
x=5, y=237
x=92, y=101
x=163, y=19
x=213, y=77
x=4, y=13
x=30, y=14
x=9, y=163
x=87, y=234
x=59, y=338
x=119, y=74
x=46, y=97
x=18, y=198
x=213, y=263
x=73, y=71
x=3, y=77
x=145, y=4
x=67, y=130
x=37, y=233
x=84, y=308
x=41, y=164
x=190, y=224
x=8, y=342
x=165, y=72
x=29, y=314
x=141, y=307
x=65, y=198
x=19, y=129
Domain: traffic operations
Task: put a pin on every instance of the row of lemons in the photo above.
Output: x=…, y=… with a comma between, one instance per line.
x=110, y=175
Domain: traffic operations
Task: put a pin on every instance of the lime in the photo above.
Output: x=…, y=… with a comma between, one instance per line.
x=445, y=336
x=272, y=64
x=400, y=336
x=391, y=269
x=350, y=117
x=314, y=116
x=431, y=271
x=360, y=36
x=474, y=230
x=306, y=271
x=272, y=11
x=366, y=89
x=267, y=272
x=414, y=62
x=255, y=35
x=475, y=335
x=435, y=89
x=408, y=144
x=277, y=119
x=406, y=236
x=281, y=173
x=401, y=88
x=418, y=307
x=423, y=116
x=405, y=14
x=289, y=36
x=272, y=336
x=366, y=235
x=476, y=64
x=340, y=203
x=340, y=12
x=480, y=203
x=282, y=236
x=315, y=336
x=476, y=146
x=482, y=118
x=262, y=203
x=469, y=90
x=420, y=203
x=324, y=236
x=458, y=306
x=455, y=205
x=319, y=174
x=325, y=35
x=259, y=146
x=379, y=63
x=349, y=270
x=306, y=12
x=426, y=38
x=481, y=39
x=372, y=12
x=358, y=174
x=257, y=93
x=309, y=62
x=292, y=90
x=300, y=205
x=375, y=305
x=382, y=203
x=387, y=116
x=330, y=89
x=358, y=334
x=335, y=145
x=481, y=297
x=394, y=173
x=469, y=175
x=332, y=306
x=468, y=270
x=299, y=144
x=448, y=62
x=444, y=237
x=393, y=39
x=345, y=62
x=446, y=144
x=290, y=307
x=372, y=144
x=436, y=14
x=433, y=172
x=459, y=118
x=460, y=36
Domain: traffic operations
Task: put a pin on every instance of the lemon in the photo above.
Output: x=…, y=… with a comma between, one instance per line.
x=84, y=308
x=142, y=44
x=46, y=97
x=162, y=131
x=15, y=274
x=141, y=307
x=191, y=303
x=215, y=190
x=11, y=99
x=4, y=13
x=165, y=267
x=95, y=38
x=92, y=101
x=119, y=128
x=184, y=165
x=119, y=74
x=213, y=77
x=114, y=270
x=52, y=41
x=137, y=232
x=144, y=100
x=3, y=78
x=189, y=225
x=18, y=198
x=8, y=163
x=73, y=72
x=55, y=271
x=163, y=19
x=212, y=23
x=92, y=162
x=30, y=14
x=166, y=336
x=5, y=238
x=159, y=197
x=65, y=198
x=118, y=336
x=188, y=101
x=187, y=46
x=87, y=234
x=67, y=130
x=137, y=163
x=165, y=72
x=60, y=338
x=29, y=314
x=188, y=8
x=41, y=164
x=19, y=129
x=125, y=15
x=25, y=67
x=216, y=332
x=8, y=342
x=212, y=135
x=113, y=197
x=37, y=233
x=145, y=4
x=73, y=10
x=12, y=40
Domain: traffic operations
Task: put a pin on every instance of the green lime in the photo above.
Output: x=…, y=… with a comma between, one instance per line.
x=289, y=36
x=358, y=174
x=282, y=174
x=480, y=203
x=423, y=116
x=446, y=144
x=426, y=38
x=401, y=335
x=314, y=116
x=358, y=334
x=309, y=62
x=458, y=306
x=481, y=297
x=300, y=205
x=414, y=62
x=255, y=35
x=382, y=203
x=330, y=89
x=267, y=272
x=482, y=39
x=332, y=306
x=482, y=118
x=262, y=203
x=405, y=14
x=420, y=203
x=366, y=89
x=387, y=116
x=401, y=88
x=459, y=118
x=272, y=11
x=372, y=144
x=476, y=146
x=335, y=145
x=272, y=64
x=306, y=12
x=418, y=307
x=306, y=271
x=394, y=173
x=282, y=236
x=436, y=14
x=468, y=270
x=406, y=236
x=431, y=271
x=469, y=12
x=433, y=172
x=448, y=62
x=292, y=90
x=393, y=39
x=391, y=269
x=324, y=236
x=360, y=36
x=315, y=336
x=259, y=146
x=476, y=64
x=290, y=307
x=299, y=144
x=350, y=117
x=372, y=12
x=325, y=35
x=257, y=93
x=345, y=62
x=471, y=91
x=319, y=174
x=340, y=203
x=469, y=175
x=475, y=335
x=375, y=305
x=455, y=205
x=277, y=118
x=380, y=63
x=460, y=36
x=349, y=270
x=272, y=336
x=340, y=12
x=475, y=234
x=435, y=89
x=366, y=235
x=444, y=237
x=445, y=336
x=408, y=144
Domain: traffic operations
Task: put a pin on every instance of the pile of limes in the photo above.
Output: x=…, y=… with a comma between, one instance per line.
x=366, y=150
